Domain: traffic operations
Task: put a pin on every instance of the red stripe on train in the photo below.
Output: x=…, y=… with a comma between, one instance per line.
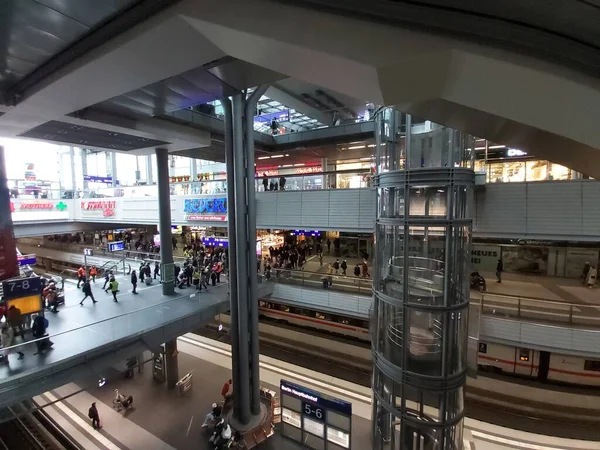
x=310, y=319
x=506, y=361
x=551, y=369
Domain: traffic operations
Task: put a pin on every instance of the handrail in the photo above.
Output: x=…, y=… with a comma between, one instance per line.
x=490, y=304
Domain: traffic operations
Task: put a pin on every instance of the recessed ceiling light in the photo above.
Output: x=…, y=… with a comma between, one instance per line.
x=276, y=156
x=356, y=147
x=299, y=165
x=263, y=157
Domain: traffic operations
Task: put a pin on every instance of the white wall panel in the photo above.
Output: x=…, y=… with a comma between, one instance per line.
x=554, y=208
x=501, y=208
x=323, y=299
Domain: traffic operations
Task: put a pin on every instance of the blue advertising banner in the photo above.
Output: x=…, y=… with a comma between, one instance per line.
x=205, y=205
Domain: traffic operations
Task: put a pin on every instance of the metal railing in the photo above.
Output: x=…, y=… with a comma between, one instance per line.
x=495, y=305
x=322, y=280
x=540, y=310
x=340, y=179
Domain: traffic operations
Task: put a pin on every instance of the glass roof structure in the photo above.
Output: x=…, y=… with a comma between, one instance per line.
x=269, y=109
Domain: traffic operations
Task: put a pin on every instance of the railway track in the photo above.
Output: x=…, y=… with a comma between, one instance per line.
x=33, y=430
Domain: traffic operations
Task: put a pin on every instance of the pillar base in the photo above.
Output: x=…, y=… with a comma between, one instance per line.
x=168, y=288
x=259, y=429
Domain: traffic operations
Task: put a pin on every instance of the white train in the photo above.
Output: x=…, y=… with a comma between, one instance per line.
x=538, y=364
x=522, y=362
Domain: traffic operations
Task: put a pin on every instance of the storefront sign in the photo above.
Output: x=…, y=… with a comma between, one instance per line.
x=36, y=205
x=215, y=241
x=208, y=209
x=107, y=207
x=267, y=173
x=314, y=169
x=484, y=258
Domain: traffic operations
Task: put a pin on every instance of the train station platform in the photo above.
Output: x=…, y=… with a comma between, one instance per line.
x=90, y=338
x=145, y=427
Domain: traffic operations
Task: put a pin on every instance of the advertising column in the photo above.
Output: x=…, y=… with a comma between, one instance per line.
x=9, y=266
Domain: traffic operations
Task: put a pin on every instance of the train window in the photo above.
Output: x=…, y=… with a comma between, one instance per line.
x=524, y=354
x=591, y=365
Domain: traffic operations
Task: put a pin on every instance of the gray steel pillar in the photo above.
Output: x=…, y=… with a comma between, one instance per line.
x=164, y=219
x=84, y=168
x=242, y=209
x=232, y=252
x=249, y=112
x=149, y=178
x=9, y=266
x=171, y=363
x=73, y=176
x=421, y=284
x=113, y=168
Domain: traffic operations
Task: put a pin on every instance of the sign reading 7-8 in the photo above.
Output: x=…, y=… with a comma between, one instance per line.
x=21, y=287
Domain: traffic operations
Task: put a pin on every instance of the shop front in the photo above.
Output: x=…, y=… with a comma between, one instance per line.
x=534, y=257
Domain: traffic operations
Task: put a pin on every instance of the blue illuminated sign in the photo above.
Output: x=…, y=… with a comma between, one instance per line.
x=116, y=246
x=26, y=260
x=205, y=205
x=312, y=400
x=215, y=241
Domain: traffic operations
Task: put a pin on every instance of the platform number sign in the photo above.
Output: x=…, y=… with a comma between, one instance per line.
x=22, y=287
x=314, y=411
x=482, y=347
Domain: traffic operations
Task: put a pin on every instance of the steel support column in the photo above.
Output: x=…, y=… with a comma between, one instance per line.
x=249, y=112
x=232, y=251
x=239, y=117
x=9, y=266
x=164, y=217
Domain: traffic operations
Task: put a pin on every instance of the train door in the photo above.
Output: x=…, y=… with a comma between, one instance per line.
x=543, y=366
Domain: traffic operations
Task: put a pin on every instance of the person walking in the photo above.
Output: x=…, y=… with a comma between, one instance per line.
x=265, y=183
x=93, y=273
x=336, y=266
x=328, y=247
x=321, y=259
x=8, y=340
x=15, y=320
x=329, y=276
x=344, y=267
x=142, y=275
x=94, y=416
x=499, y=270
x=107, y=276
x=80, y=276
x=114, y=288
x=134, y=280
x=87, y=290
x=156, y=270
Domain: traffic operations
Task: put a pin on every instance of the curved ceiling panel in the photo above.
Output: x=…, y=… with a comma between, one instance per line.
x=33, y=31
x=563, y=31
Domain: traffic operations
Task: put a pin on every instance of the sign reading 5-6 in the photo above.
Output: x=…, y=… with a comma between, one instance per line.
x=205, y=205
